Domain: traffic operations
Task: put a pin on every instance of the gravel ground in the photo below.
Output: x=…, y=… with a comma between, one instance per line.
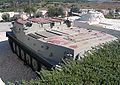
x=11, y=68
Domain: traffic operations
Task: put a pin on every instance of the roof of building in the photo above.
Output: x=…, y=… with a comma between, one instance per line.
x=92, y=16
x=54, y=19
x=21, y=21
x=40, y=20
x=98, y=19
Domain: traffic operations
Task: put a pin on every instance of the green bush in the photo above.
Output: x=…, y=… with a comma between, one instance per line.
x=55, y=11
x=29, y=9
x=6, y=17
x=74, y=9
x=38, y=14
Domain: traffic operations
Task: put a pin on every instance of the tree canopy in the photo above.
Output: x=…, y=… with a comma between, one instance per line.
x=6, y=17
x=74, y=9
x=29, y=10
x=44, y=0
x=55, y=11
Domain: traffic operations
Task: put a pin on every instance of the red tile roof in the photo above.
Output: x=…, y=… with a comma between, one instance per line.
x=54, y=19
x=40, y=20
x=21, y=21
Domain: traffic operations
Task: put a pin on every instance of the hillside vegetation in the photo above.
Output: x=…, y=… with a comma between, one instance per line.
x=43, y=0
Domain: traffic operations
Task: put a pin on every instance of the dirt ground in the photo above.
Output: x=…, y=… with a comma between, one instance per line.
x=11, y=68
x=99, y=5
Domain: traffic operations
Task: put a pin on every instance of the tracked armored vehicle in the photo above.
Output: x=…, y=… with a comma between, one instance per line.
x=48, y=41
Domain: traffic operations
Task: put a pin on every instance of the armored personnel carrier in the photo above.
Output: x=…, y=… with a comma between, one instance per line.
x=48, y=41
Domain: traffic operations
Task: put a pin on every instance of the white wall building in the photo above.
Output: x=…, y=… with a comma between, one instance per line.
x=97, y=21
x=42, y=11
x=1, y=16
x=11, y=13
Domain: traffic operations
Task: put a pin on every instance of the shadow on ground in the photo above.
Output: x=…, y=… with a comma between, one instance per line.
x=12, y=68
x=113, y=32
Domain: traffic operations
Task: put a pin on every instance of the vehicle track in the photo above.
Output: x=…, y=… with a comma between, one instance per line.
x=11, y=68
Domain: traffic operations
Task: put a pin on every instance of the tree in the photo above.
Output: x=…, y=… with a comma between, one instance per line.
x=74, y=9
x=68, y=23
x=15, y=17
x=60, y=11
x=29, y=10
x=6, y=17
x=55, y=11
x=38, y=14
x=117, y=10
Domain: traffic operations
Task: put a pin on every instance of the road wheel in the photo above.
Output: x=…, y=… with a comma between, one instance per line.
x=17, y=51
x=13, y=45
x=43, y=67
x=34, y=64
x=28, y=60
x=10, y=43
x=22, y=55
